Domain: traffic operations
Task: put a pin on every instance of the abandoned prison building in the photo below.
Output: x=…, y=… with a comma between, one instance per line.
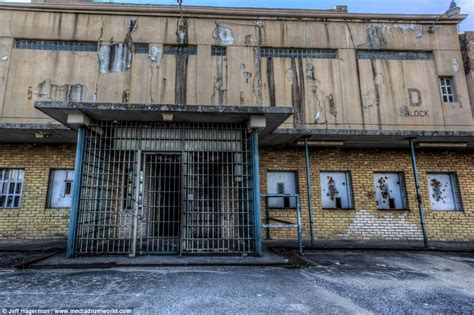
x=136, y=130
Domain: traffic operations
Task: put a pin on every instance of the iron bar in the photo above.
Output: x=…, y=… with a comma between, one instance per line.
x=193, y=181
x=418, y=192
x=75, y=194
x=256, y=191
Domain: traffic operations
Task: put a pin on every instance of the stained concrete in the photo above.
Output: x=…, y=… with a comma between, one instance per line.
x=59, y=260
x=344, y=282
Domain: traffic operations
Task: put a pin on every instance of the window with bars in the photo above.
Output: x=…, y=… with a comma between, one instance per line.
x=297, y=53
x=447, y=89
x=180, y=50
x=218, y=51
x=55, y=45
x=11, y=187
x=393, y=55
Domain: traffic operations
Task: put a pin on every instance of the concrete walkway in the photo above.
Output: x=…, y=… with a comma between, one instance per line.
x=341, y=282
x=59, y=261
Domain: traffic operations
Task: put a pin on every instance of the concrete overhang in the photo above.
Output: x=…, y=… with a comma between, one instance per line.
x=66, y=112
x=390, y=139
x=36, y=133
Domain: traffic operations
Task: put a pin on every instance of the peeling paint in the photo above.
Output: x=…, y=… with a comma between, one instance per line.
x=247, y=75
x=115, y=58
x=219, y=82
x=156, y=54
x=455, y=65
x=223, y=35
x=182, y=31
x=380, y=34
x=65, y=92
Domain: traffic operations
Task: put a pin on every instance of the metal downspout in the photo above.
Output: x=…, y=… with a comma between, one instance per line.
x=310, y=195
x=76, y=191
x=256, y=191
x=418, y=192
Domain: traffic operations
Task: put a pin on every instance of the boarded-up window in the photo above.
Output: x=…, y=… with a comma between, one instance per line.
x=282, y=183
x=444, y=192
x=60, y=188
x=336, y=190
x=390, y=191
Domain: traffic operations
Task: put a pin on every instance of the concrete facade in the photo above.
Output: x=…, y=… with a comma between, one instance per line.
x=368, y=82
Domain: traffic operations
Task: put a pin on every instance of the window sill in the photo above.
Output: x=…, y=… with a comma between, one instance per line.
x=396, y=210
x=343, y=209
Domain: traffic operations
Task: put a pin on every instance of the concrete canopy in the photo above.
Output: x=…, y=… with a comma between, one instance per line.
x=370, y=138
x=36, y=133
x=60, y=111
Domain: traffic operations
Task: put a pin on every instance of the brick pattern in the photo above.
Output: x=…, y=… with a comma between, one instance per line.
x=33, y=220
x=365, y=222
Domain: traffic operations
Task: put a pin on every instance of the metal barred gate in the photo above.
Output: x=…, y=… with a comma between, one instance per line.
x=165, y=188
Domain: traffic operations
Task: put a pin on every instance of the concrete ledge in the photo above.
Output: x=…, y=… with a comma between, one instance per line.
x=374, y=245
x=32, y=245
x=59, y=261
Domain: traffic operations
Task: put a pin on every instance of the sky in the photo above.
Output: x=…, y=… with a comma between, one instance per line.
x=355, y=6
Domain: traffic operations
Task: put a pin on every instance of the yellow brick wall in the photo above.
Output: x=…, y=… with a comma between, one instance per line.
x=33, y=220
x=365, y=222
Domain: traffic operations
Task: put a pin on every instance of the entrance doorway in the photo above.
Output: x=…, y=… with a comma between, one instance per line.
x=161, y=210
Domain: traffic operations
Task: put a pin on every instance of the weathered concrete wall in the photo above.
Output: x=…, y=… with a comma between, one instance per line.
x=365, y=222
x=342, y=92
x=467, y=47
x=33, y=220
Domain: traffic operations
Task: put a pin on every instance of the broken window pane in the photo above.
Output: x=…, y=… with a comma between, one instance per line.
x=60, y=188
x=390, y=191
x=283, y=183
x=444, y=192
x=11, y=187
x=336, y=190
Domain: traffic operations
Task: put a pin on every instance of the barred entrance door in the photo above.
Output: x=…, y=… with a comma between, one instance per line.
x=161, y=211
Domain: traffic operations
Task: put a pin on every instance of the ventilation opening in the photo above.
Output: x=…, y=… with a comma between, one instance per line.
x=297, y=53
x=55, y=45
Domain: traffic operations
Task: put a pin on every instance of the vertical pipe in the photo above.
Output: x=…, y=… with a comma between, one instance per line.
x=76, y=191
x=137, y=204
x=298, y=210
x=267, y=217
x=310, y=195
x=256, y=192
x=418, y=192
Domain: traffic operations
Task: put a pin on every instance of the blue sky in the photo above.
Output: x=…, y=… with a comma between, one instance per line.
x=355, y=6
